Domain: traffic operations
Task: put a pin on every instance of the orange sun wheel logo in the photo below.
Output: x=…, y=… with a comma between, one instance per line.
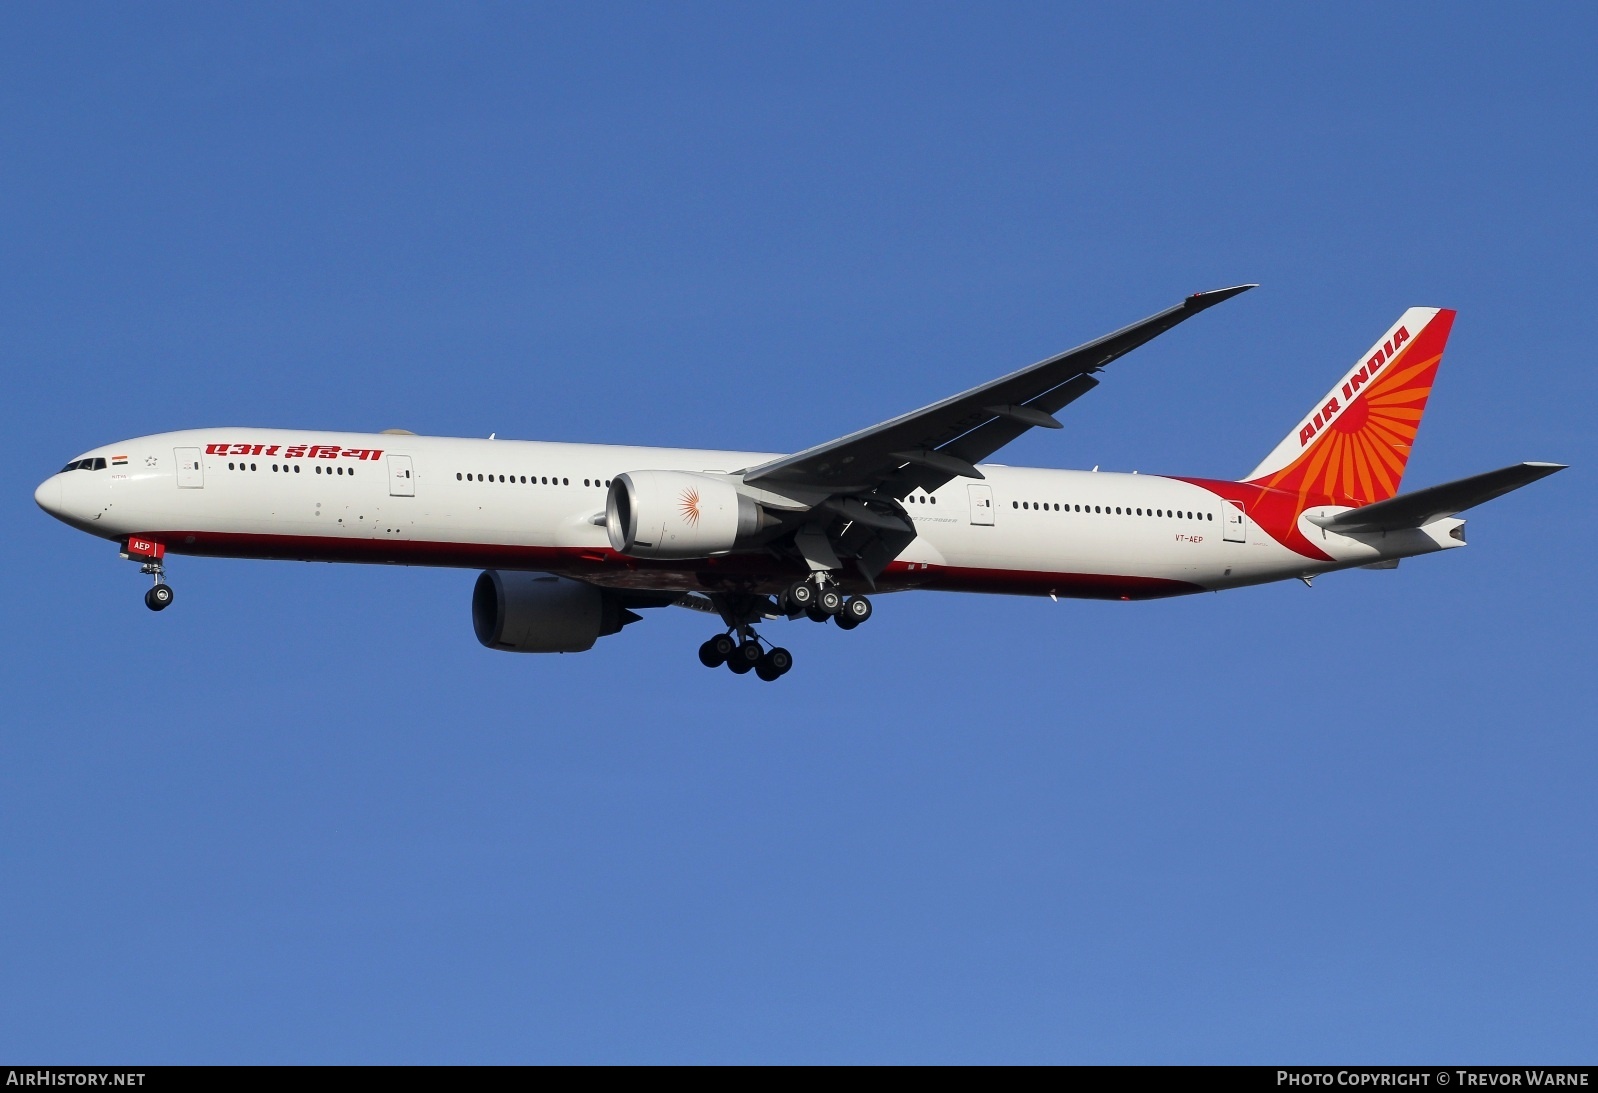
x=689, y=506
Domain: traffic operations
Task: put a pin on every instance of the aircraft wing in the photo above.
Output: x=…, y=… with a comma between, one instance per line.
x=1413, y=510
x=930, y=446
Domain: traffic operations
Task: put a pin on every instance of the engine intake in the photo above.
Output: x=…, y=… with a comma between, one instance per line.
x=542, y=613
x=678, y=514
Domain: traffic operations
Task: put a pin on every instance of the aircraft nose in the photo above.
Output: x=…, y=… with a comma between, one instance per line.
x=48, y=495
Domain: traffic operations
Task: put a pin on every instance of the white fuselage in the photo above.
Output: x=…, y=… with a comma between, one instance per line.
x=404, y=499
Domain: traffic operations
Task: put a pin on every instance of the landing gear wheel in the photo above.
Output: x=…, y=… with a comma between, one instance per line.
x=830, y=601
x=857, y=609
x=158, y=598
x=816, y=614
x=745, y=656
x=714, y=653
x=800, y=596
x=774, y=665
x=845, y=622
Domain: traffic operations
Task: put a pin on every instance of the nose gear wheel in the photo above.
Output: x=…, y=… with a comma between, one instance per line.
x=160, y=595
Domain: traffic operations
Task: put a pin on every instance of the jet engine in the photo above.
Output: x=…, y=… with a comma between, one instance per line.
x=678, y=514
x=542, y=613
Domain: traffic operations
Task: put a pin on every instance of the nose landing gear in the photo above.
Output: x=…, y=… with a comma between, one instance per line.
x=149, y=555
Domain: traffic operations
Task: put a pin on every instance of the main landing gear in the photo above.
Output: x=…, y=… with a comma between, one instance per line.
x=746, y=655
x=743, y=651
x=820, y=602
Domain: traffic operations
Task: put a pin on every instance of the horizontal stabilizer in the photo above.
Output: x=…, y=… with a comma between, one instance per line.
x=1413, y=510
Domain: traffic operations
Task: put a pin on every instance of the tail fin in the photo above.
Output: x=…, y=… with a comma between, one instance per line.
x=1352, y=447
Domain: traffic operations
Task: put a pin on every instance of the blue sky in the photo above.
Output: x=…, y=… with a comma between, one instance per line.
x=304, y=817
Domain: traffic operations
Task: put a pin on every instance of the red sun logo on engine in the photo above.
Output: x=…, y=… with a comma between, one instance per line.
x=689, y=507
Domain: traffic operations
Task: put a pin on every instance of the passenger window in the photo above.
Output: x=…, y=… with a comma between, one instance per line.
x=1015, y=504
x=252, y=466
x=565, y=481
x=934, y=500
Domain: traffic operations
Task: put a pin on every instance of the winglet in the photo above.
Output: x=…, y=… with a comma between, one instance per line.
x=1201, y=300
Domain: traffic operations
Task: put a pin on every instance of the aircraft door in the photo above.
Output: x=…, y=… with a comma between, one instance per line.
x=191, y=469
x=1234, y=525
x=401, y=483
x=981, y=504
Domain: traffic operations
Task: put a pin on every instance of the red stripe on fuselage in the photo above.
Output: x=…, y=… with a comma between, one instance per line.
x=1273, y=511
x=731, y=572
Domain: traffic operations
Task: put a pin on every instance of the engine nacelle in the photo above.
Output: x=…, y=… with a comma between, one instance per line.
x=678, y=514
x=541, y=613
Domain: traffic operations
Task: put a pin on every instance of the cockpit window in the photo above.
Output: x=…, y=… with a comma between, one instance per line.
x=92, y=464
x=99, y=463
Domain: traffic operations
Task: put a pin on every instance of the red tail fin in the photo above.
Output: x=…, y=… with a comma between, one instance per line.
x=1352, y=447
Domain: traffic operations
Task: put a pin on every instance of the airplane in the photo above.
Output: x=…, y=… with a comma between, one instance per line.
x=574, y=539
